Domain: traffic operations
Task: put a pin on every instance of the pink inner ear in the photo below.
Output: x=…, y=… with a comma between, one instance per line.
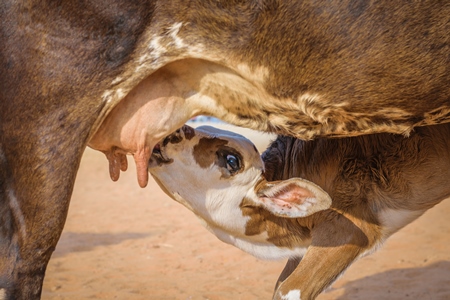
x=294, y=194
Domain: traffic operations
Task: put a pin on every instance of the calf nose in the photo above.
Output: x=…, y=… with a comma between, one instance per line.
x=189, y=132
x=178, y=136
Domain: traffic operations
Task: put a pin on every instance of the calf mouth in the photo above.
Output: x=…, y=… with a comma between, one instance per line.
x=158, y=156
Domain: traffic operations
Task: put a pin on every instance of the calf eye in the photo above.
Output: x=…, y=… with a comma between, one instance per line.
x=233, y=164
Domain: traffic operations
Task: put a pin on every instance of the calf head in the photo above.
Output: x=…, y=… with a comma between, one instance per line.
x=214, y=172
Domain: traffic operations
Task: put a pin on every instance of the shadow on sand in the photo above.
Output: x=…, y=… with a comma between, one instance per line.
x=429, y=282
x=80, y=242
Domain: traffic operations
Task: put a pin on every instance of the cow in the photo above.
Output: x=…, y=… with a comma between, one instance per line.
x=73, y=72
x=322, y=204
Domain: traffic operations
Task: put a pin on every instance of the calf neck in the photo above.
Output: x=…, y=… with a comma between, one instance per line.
x=279, y=205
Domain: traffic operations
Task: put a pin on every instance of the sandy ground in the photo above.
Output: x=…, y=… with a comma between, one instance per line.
x=124, y=242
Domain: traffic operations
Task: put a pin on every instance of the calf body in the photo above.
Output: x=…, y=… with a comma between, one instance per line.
x=271, y=209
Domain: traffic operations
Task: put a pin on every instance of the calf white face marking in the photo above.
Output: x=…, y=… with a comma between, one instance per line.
x=292, y=295
x=211, y=180
x=216, y=189
x=218, y=175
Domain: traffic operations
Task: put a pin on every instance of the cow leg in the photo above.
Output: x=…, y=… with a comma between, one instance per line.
x=37, y=173
x=336, y=244
x=291, y=265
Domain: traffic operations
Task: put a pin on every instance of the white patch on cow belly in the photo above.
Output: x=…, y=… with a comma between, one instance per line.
x=232, y=88
x=292, y=295
x=117, y=80
x=193, y=51
x=335, y=117
x=437, y=116
x=319, y=109
x=113, y=95
x=394, y=219
x=173, y=32
x=120, y=94
x=107, y=96
x=160, y=50
x=311, y=98
x=153, y=57
x=156, y=49
x=2, y=294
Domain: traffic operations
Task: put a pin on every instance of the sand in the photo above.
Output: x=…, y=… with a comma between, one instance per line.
x=124, y=242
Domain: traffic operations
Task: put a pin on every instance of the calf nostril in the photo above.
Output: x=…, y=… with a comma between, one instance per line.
x=174, y=138
x=188, y=132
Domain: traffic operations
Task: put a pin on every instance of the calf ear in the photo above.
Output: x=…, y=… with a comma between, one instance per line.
x=293, y=198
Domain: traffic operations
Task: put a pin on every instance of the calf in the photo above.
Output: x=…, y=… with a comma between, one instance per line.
x=74, y=73
x=270, y=207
